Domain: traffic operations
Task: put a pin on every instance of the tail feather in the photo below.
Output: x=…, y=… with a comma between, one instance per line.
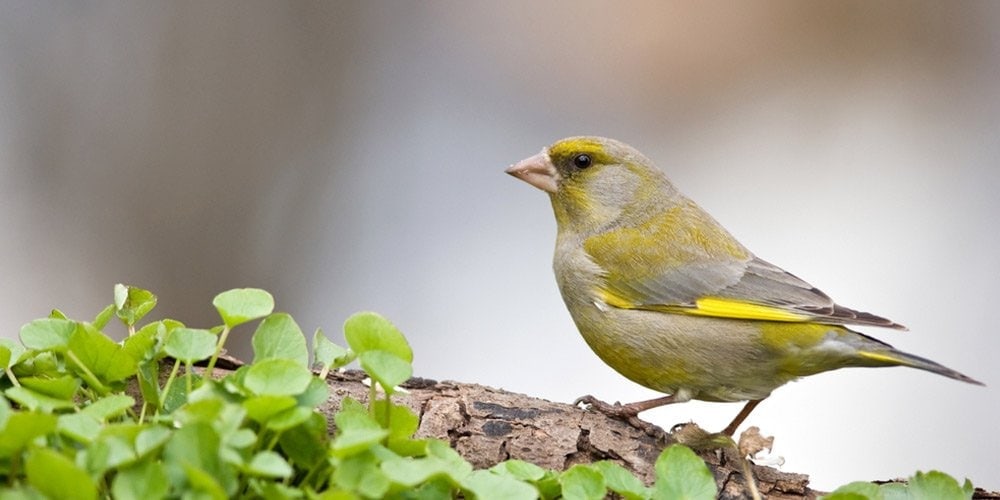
x=894, y=357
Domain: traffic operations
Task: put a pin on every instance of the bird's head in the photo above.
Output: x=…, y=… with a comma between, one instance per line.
x=595, y=181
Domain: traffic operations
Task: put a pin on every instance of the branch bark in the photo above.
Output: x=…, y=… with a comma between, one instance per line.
x=487, y=426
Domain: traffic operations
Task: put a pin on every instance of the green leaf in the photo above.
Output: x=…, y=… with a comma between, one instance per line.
x=682, y=474
x=109, y=452
x=402, y=424
x=208, y=411
x=80, y=427
x=289, y=418
x=57, y=477
x=968, y=488
x=935, y=485
x=125, y=430
x=410, y=472
x=149, y=383
x=306, y=445
x=13, y=349
x=271, y=490
x=361, y=473
x=315, y=394
x=48, y=334
x=21, y=492
x=581, y=482
x=356, y=430
x=5, y=356
x=385, y=368
x=100, y=355
x=140, y=482
x=850, y=496
x=621, y=481
x=279, y=337
x=189, y=345
x=242, y=438
x=176, y=395
x=328, y=354
x=102, y=318
x=5, y=412
x=441, y=449
x=858, y=490
x=368, y=331
x=486, y=485
x=132, y=303
x=64, y=387
x=22, y=428
x=204, y=482
x=548, y=485
x=193, y=453
x=109, y=407
x=121, y=296
x=36, y=401
x=277, y=377
x=262, y=408
x=151, y=439
x=143, y=345
x=269, y=464
x=519, y=469
x=894, y=491
x=240, y=305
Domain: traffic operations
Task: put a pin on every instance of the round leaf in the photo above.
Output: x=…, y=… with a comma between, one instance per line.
x=485, y=484
x=277, y=377
x=240, y=305
x=189, y=345
x=269, y=464
x=385, y=368
x=279, y=336
x=682, y=474
x=47, y=334
x=582, y=482
x=44, y=466
x=368, y=331
x=144, y=480
x=132, y=303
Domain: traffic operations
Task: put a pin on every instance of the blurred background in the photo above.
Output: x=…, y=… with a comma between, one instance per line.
x=350, y=155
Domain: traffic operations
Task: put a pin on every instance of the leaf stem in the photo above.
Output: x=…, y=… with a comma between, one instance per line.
x=166, y=387
x=215, y=356
x=87, y=374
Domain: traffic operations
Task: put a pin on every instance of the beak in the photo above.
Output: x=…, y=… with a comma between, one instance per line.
x=538, y=171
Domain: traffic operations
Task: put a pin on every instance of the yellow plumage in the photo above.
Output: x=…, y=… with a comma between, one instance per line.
x=667, y=297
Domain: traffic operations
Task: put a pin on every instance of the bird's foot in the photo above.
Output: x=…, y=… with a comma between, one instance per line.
x=627, y=412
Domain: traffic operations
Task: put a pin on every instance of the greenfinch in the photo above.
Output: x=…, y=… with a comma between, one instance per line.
x=669, y=299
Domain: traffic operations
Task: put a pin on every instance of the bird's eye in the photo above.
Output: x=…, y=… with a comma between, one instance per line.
x=582, y=161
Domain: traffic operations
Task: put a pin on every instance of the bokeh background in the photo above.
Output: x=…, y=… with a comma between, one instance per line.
x=350, y=155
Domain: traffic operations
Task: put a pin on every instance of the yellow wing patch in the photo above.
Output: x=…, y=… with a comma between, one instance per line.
x=717, y=307
x=736, y=309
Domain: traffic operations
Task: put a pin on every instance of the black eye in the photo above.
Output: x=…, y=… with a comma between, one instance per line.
x=582, y=161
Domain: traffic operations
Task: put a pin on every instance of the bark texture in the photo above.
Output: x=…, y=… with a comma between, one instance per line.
x=487, y=426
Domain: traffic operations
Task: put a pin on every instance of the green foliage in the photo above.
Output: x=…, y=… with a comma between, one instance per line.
x=931, y=485
x=69, y=430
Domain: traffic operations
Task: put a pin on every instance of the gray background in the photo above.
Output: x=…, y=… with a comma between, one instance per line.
x=350, y=155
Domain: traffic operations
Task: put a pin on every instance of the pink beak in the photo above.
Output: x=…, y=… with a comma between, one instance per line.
x=538, y=171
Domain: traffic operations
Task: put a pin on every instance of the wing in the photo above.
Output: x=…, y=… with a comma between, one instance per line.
x=768, y=285
x=706, y=272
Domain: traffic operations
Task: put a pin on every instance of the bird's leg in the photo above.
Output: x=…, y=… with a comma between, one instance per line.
x=741, y=416
x=628, y=412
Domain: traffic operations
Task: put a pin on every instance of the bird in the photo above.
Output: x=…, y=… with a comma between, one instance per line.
x=668, y=298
